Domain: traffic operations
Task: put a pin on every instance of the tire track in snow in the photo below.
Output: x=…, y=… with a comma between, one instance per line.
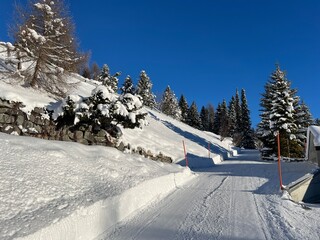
x=199, y=222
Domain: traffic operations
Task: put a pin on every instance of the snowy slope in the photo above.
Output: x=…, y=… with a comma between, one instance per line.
x=67, y=190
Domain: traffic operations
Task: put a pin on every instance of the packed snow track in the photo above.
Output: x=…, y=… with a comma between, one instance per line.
x=238, y=199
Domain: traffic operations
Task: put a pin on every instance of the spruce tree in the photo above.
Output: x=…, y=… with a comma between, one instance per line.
x=232, y=116
x=237, y=107
x=184, y=108
x=204, y=116
x=246, y=130
x=279, y=111
x=303, y=121
x=263, y=131
x=224, y=121
x=144, y=89
x=127, y=86
x=211, y=117
x=169, y=104
x=107, y=79
x=193, y=116
x=217, y=120
x=45, y=42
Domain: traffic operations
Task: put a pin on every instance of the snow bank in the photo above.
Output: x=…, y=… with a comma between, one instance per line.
x=58, y=188
x=92, y=221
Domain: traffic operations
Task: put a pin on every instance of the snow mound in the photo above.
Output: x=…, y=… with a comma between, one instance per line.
x=61, y=187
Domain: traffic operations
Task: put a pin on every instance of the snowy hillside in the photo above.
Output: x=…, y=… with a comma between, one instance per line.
x=60, y=188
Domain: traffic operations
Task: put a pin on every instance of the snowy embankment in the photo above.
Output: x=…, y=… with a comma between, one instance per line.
x=70, y=191
x=63, y=190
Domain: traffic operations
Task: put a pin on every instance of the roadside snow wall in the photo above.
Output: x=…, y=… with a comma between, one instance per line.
x=313, y=144
x=91, y=222
x=307, y=188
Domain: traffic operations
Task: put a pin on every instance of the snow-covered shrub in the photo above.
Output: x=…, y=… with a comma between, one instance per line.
x=102, y=110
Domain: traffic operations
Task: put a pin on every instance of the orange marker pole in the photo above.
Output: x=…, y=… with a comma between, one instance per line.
x=279, y=162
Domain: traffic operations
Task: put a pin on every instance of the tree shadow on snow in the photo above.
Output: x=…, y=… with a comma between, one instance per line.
x=195, y=138
x=248, y=165
x=195, y=162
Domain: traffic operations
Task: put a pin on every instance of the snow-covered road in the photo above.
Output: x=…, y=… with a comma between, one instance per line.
x=238, y=199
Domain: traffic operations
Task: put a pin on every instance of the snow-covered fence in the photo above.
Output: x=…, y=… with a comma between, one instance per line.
x=313, y=144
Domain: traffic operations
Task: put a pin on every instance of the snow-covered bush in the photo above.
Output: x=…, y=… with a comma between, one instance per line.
x=102, y=110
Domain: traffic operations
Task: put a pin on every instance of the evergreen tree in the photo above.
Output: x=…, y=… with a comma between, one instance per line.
x=232, y=116
x=107, y=79
x=246, y=130
x=263, y=131
x=193, y=116
x=224, y=121
x=169, y=104
x=279, y=111
x=184, y=108
x=144, y=89
x=211, y=117
x=127, y=86
x=303, y=121
x=204, y=116
x=46, y=43
x=217, y=120
x=237, y=107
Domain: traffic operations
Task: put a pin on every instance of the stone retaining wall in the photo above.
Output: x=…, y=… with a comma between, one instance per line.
x=38, y=124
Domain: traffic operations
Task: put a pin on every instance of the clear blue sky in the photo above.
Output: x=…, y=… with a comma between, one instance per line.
x=204, y=49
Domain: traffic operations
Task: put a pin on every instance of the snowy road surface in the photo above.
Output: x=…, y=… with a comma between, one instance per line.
x=238, y=199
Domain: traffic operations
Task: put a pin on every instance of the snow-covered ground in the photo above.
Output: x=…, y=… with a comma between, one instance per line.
x=237, y=199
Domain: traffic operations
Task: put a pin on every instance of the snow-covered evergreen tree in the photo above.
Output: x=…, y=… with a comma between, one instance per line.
x=127, y=86
x=193, y=116
x=246, y=130
x=279, y=111
x=169, y=104
x=204, y=116
x=232, y=116
x=237, y=107
x=144, y=89
x=102, y=110
x=263, y=131
x=46, y=44
x=303, y=121
x=107, y=79
x=184, y=108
